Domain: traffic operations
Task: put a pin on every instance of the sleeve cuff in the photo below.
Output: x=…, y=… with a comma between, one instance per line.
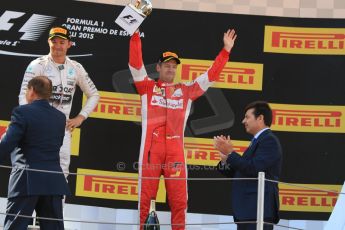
x=84, y=114
x=224, y=53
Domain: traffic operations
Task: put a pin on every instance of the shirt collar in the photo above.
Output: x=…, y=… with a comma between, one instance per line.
x=261, y=131
x=57, y=64
x=164, y=84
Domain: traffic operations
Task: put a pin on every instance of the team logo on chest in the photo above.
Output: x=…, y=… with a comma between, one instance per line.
x=30, y=69
x=177, y=93
x=70, y=73
x=48, y=69
x=160, y=101
x=159, y=98
x=158, y=91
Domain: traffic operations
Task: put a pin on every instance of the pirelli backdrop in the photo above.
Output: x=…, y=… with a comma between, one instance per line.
x=297, y=65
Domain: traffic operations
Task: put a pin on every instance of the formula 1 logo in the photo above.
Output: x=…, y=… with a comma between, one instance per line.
x=33, y=27
x=129, y=19
x=18, y=36
x=20, y=31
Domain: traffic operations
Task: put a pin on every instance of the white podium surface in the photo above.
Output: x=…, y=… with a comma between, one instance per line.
x=337, y=219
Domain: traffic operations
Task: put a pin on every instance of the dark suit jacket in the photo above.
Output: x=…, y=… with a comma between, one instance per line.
x=33, y=139
x=263, y=156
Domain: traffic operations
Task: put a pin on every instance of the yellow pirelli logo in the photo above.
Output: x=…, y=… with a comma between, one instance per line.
x=117, y=106
x=201, y=151
x=300, y=199
x=301, y=40
x=74, y=142
x=308, y=118
x=112, y=185
x=58, y=30
x=235, y=75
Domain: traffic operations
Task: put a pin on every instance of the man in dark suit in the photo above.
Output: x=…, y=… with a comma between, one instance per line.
x=33, y=139
x=263, y=155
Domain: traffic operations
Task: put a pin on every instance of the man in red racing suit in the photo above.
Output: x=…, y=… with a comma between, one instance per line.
x=165, y=109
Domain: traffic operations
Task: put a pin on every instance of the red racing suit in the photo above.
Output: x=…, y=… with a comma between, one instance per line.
x=165, y=109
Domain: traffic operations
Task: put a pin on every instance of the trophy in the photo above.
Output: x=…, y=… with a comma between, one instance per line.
x=133, y=15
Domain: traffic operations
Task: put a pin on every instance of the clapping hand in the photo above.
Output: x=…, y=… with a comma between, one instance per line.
x=223, y=145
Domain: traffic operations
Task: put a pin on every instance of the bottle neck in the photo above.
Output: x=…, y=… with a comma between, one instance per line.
x=153, y=206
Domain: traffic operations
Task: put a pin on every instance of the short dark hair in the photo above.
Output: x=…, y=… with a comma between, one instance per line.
x=42, y=86
x=261, y=108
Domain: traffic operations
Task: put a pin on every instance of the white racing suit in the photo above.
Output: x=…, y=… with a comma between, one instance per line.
x=64, y=78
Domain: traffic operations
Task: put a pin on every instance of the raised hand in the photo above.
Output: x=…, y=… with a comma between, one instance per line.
x=229, y=39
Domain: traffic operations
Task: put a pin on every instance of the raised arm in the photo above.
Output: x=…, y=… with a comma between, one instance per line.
x=135, y=53
x=136, y=65
x=223, y=56
x=206, y=79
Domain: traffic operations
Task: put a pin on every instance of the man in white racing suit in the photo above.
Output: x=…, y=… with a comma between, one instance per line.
x=65, y=74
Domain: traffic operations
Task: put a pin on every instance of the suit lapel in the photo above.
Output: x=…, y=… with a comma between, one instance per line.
x=251, y=149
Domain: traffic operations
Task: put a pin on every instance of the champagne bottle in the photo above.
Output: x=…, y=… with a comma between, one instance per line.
x=151, y=222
